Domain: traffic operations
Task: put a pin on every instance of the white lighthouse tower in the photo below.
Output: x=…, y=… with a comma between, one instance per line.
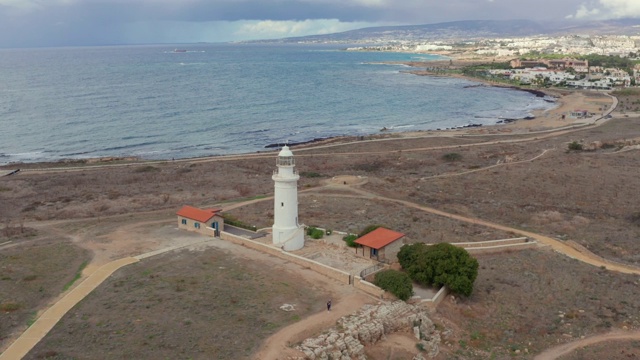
x=287, y=232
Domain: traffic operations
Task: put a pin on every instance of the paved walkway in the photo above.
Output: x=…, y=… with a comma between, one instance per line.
x=50, y=318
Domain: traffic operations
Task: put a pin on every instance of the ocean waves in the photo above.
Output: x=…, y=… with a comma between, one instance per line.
x=135, y=101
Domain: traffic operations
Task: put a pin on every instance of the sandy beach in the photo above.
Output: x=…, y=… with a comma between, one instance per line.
x=567, y=102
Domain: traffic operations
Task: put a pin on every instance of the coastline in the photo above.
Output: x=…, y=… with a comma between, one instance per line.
x=544, y=120
x=565, y=101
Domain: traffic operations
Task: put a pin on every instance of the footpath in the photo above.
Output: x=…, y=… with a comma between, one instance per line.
x=41, y=327
x=50, y=318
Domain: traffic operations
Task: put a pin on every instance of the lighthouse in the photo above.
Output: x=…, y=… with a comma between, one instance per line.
x=287, y=232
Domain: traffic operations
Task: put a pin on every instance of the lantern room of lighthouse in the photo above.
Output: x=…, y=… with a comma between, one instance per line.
x=287, y=232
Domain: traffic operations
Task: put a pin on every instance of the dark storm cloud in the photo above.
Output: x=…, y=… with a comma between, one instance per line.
x=84, y=22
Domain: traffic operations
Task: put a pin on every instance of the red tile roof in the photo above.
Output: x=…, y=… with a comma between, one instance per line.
x=379, y=238
x=196, y=214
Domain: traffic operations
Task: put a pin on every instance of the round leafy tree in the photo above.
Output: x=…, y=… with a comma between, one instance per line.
x=395, y=282
x=440, y=264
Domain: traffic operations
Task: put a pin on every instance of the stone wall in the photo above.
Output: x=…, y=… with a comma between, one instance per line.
x=352, y=333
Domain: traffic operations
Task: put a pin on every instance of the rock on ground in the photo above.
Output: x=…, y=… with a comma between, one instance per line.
x=370, y=324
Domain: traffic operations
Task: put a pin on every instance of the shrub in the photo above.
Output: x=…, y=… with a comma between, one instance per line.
x=440, y=264
x=231, y=220
x=9, y=306
x=147, y=168
x=395, y=282
x=310, y=174
x=315, y=233
x=634, y=218
x=351, y=240
x=451, y=157
x=575, y=146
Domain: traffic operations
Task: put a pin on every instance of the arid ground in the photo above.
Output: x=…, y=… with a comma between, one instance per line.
x=223, y=301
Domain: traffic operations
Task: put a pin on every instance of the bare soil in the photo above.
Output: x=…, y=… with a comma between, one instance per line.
x=590, y=197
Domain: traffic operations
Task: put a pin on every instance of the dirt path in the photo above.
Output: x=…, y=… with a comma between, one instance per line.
x=568, y=348
x=559, y=246
x=277, y=346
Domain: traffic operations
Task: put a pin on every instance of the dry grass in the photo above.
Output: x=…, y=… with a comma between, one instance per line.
x=613, y=350
x=30, y=275
x=187, y=305
x=590, y=197
x=530, y=299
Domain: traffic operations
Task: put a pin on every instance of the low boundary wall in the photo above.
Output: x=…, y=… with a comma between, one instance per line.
x=339, y=275
x=492, y=246
x=468, y=245
x=438, y=297
x=369, y=288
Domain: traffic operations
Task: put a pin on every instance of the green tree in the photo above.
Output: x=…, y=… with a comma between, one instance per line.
x=395, y=282
x=440, y=264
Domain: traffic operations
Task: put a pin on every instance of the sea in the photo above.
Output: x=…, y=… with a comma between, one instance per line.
x=154, y=102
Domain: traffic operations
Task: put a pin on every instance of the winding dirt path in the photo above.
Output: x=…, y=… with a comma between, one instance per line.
x=559, y=246
x=565, y=349
x=278, y=345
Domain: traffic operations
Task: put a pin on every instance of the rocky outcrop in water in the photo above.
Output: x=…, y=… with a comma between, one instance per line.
x=352, y=333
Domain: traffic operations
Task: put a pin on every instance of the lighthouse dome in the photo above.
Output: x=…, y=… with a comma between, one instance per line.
x=285, y=157
x=285, y=152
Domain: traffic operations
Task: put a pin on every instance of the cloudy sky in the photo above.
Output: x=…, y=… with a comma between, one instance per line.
x=30, y=23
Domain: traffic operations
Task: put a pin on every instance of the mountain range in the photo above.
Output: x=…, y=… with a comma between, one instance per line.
x=470, y=30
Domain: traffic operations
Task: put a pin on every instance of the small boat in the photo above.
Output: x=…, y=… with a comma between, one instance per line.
x=179, y=50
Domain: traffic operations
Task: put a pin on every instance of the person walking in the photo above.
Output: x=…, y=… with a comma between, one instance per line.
x=329, y=305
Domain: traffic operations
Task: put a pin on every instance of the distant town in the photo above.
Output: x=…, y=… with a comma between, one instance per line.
x=574, y=61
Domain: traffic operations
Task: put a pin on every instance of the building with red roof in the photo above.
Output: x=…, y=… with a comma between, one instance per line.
x=203, y=221
x=381, y=244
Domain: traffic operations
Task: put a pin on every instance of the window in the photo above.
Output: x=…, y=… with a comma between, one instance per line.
x=197, y=225
x=282, y=204
x=184, y=221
